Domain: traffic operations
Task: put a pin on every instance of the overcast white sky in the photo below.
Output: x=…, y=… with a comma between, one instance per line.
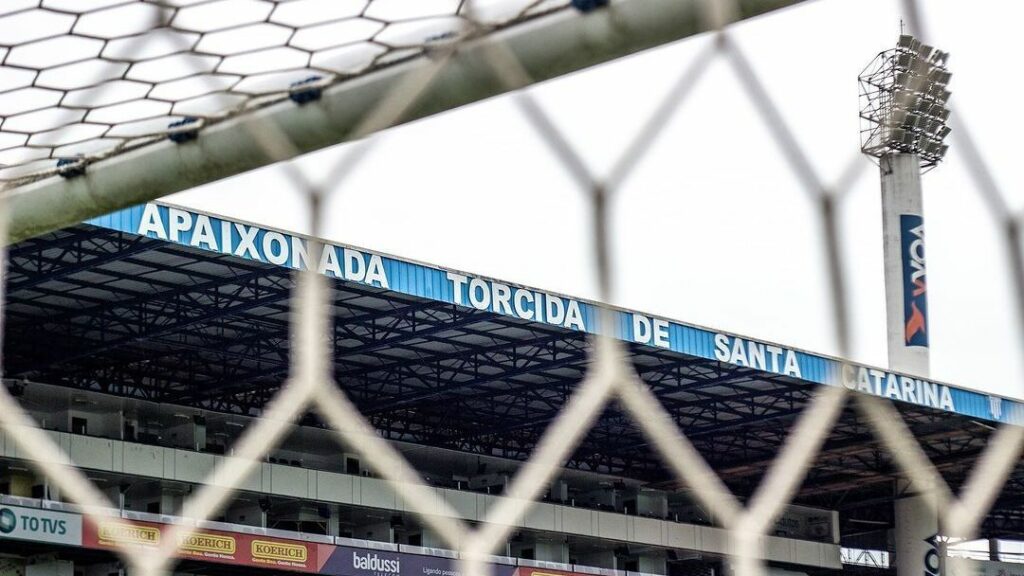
x=713, y=228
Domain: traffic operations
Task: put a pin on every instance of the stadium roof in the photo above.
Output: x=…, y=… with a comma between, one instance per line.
x=161, y=303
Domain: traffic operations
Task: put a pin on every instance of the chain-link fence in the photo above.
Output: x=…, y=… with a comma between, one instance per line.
x=85, y=80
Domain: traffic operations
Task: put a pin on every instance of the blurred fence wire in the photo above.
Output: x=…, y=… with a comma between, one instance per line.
x=83, y=81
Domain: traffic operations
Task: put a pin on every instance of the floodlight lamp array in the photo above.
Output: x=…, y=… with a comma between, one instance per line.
x=904, y=92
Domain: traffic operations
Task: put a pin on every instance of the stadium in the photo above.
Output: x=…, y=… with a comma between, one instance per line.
x=187, y=392
x=145, y=340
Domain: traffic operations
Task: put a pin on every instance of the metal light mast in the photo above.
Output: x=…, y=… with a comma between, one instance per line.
x=903, y=125
x=903, y=115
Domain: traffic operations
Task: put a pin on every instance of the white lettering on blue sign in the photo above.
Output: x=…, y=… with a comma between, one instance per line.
x=995, y=407
x=756, y=355
x=254, y=243
x=374, y=563
x=778, y=360
x=516, y=301
x=904, y=388
x=280, y=248
x=651, y=331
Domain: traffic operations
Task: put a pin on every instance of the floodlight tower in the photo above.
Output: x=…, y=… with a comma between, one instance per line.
x=903, y=115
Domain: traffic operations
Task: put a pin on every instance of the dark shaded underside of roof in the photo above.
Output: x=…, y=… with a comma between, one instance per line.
x=101, y=310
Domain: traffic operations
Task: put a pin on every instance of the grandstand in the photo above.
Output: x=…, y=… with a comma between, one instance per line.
x=145, y=340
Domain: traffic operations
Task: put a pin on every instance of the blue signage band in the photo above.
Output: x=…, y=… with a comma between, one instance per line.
x=214, y=234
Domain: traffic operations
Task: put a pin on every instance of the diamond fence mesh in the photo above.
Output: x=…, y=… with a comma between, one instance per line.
x=83, y=80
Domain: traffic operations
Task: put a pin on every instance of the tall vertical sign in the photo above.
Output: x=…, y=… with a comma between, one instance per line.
x=903, y=94
x=906, y=281
x=915, y=286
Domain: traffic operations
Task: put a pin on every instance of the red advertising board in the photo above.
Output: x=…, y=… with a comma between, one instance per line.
x=210, y=545
x=280, y=554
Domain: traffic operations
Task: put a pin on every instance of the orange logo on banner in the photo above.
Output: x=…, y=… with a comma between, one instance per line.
x=124, y=533
x=278, y=551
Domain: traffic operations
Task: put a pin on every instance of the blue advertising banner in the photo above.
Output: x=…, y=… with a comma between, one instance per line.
x=251, y=242
x=915, y=287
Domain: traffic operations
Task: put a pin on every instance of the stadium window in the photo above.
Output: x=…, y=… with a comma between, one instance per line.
x=416, y=539
x=153, y=507
x=79, y=425
x=527, y=553
x=351, y=465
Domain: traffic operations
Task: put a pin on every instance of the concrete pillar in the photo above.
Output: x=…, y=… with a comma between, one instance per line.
x=49, y=566
x=917, y=548
x=12, y=566
x=170, y=502
x=552, y=552
x=654, y=562
x=431, y=539
x=116, y=495
x=600, y=498
x=199, y=432
x=905, y=280
x=51, y=491
x=21, y=484
x=559, y=491
x=333, y=520
x=652, y=503
x=379, y=531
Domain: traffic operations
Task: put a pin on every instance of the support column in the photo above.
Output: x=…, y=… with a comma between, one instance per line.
x=655, y=562
x=12, y=566
x=905, y=281
x=917, y=549
x=170, y=500
x=48, y=565
x=333, y=520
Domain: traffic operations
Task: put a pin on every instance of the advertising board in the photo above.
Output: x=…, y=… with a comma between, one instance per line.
x=40, y=525
x=210, y=545
x=346, y=561
x=915, y=287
